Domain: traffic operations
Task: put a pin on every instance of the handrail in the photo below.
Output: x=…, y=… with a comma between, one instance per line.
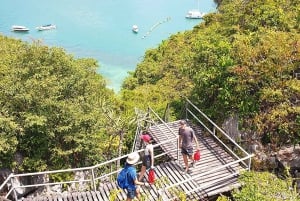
x=218, y=139
x=117, y=169
x=6, y=181
x=163, y=190
x=216, y=126
x=199, y=187
x=74, y=170
x=209, y=171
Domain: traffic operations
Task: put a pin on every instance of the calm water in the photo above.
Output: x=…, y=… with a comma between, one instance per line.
x=102, y=29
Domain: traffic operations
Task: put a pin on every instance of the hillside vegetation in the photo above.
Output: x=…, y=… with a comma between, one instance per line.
x=240, y=61
x=53, y=110
x=56, y=111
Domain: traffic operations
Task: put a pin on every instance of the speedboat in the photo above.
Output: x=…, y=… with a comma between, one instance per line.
x=135, y=28
x=194, y=14
x=18, y=28
x=46, y=27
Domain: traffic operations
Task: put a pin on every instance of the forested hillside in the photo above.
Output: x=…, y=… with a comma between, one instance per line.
x=241, y=60
x=54, y=109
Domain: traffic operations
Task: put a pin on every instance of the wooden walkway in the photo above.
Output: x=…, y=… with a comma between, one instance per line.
x=168, y=173
x=171, y=172
x=212, y=156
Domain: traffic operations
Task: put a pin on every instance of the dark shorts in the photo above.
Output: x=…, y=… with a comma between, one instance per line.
x=147, y=161
x=187, y=151
x=131, y=193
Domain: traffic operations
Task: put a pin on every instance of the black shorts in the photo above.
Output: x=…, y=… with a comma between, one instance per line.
x=147, y=161
x=187, y=151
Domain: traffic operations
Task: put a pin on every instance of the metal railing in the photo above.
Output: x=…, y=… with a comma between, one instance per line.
x=214, y=130
x=217, y=132
x=103, y=172
x=108, y=170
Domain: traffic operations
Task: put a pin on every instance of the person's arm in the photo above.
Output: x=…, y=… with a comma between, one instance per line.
x=152, y=156
x=195, y=139
x=179, y=139
x=136, y=182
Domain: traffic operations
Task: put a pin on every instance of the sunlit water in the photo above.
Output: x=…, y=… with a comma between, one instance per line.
x=102, y=29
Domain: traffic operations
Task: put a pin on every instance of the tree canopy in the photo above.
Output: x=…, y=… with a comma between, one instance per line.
x=52, y=108
x=240, y=60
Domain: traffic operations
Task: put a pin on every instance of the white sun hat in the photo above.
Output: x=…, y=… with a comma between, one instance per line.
x=133, y=158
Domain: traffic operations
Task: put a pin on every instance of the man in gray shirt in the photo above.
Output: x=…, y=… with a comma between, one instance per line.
x=186, y=138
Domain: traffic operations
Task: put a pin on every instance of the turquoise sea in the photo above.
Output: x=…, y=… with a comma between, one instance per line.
x=102, y=29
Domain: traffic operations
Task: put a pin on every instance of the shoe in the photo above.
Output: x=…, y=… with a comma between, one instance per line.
x=192, y=164
x=186, y=172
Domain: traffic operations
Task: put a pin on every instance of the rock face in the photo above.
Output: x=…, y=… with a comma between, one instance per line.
x=42, y=190
x=289, y=157
x=4, y=199
x=15, y=181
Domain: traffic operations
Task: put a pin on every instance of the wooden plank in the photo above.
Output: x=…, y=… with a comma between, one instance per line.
x=102, y=192
x=83, y=196
x=189, y=185
x=153, y=188
x=89, y=196
x=75, y=196
x=122, y=193
x=149, y=190
x=94, y=195
x=79, y=196
x=114, y=189
x=98, y=195
x=106, y=190
x=54, y=197
x=161, y=175
x=192, y=183
x=174, y=178
x=69, y=196
x=59, y=197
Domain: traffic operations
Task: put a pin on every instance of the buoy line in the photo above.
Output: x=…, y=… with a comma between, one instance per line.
x=155, y=26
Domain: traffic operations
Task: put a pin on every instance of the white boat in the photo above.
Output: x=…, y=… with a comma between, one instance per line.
x=46, y=27
x=194, y=14
x=135, y=28
x=18, y=28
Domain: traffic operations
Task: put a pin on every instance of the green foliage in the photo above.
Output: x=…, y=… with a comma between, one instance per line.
x=279, y=15
x=264, y=186
x=57, y=177
x=240, y=60
x=52, y=108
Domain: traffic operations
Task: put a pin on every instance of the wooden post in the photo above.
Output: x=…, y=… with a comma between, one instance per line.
x=93, y=180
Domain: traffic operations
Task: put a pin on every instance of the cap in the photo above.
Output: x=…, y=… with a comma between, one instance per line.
x=146, y=138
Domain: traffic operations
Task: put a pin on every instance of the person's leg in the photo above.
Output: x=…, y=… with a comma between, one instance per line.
x=130, y=194
x=185, y=160
x=138, y=194
x=193, y=161
x=142, y=172
x=190, y=153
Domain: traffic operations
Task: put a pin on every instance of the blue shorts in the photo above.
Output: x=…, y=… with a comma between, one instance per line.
x=187, y=151
x=131, y=193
